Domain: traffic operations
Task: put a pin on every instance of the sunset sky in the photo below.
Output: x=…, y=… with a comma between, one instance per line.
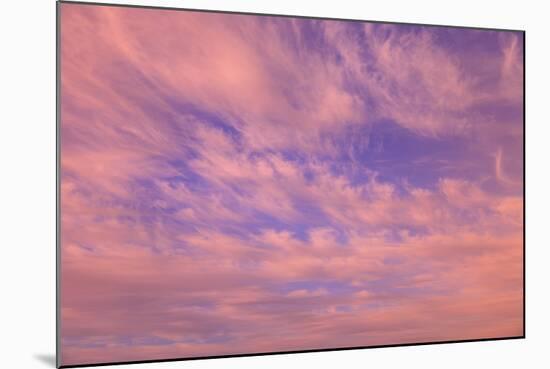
x=240, y=184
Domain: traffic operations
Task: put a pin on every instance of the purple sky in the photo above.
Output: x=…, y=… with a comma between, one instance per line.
x=240, y=184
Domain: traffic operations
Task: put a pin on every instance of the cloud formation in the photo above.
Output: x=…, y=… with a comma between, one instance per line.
x=239, y=184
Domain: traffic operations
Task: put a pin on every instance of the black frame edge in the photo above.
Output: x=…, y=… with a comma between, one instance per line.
x=234, y=12
x=524, y=184
x=57, y=185
x=292, y=352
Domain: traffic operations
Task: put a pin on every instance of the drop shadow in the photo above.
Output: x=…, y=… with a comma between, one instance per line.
x=48, y=359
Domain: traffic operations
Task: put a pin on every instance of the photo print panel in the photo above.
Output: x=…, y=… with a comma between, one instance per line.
x=240, y=184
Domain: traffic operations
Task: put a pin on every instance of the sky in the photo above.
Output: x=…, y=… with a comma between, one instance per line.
x=236, y=184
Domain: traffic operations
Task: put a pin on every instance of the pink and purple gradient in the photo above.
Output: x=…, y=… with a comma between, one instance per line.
x=241, y=184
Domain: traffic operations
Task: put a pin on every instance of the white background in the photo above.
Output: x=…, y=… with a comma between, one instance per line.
x=27, y=183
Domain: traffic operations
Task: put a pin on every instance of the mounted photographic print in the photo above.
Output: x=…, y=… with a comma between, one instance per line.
x=239, y=184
